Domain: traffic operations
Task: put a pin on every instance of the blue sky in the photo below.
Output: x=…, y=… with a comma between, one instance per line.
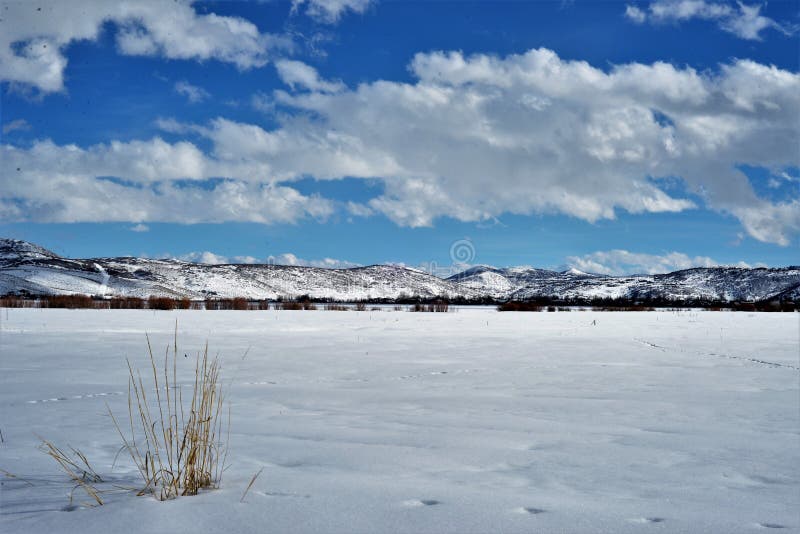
x=612, y=137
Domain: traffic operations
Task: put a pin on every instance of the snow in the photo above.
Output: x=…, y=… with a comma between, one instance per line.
x=28, y=268
x=383, y=421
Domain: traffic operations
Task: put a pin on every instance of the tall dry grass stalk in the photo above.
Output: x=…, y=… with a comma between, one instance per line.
x=178, y=447
x=77, y=468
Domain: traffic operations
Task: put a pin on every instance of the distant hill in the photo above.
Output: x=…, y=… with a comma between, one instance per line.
x=26, y=268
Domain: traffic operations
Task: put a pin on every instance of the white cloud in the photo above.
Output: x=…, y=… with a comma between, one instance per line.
x=473, y=138
x=329, y=11
x=205, y=257
x=210, y=258
x=744, y=21
x=465, y=142
x=359, y=210
x=635, y=14
x=16, y=125
x=143, y=181
x=621, y=262
x=262, y=102
x=140, y=228
x=193, y=93
x=299, y=75
x=35, y=35
x=328, y=263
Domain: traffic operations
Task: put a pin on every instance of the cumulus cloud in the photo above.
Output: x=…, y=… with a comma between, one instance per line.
x=474, y=137
x=36, y=34
x=16, y=125
x=621, y=262
x=464, y=141
x=193, y=93
x=288, y=258
x=744, y=21
x=329, y=11
x=143, y=181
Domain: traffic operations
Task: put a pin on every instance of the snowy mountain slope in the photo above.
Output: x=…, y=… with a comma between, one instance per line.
x=27, y=268
x=712, y=283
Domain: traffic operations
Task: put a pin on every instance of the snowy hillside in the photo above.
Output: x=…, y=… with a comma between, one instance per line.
x=27, y=268
x=714, y=283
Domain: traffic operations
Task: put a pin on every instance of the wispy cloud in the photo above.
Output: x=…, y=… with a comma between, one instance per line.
x=193, y=93
x=16, y=125
x=329, y=11
x=298, y=75
x=743, y=20
x=140, y=228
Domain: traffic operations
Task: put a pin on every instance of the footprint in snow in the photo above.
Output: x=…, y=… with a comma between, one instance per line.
x=529, y=510
x=414, y=503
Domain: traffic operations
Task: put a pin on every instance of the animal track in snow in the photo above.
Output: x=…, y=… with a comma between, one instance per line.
x=76, y=397
x=718, y=355
x=434, y=373
x=646, y=520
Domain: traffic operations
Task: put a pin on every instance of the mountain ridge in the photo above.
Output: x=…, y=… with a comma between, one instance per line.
x=28, y=269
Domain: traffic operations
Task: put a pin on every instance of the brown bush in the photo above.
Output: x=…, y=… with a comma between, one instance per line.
x=126, y=303
x=438, y=306
x=514, y=305
x=68, y=301
x=12, y=301
x=161, y=303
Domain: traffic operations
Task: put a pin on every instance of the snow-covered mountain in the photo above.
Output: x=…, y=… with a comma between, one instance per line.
x=27, y=268
x=706, y=283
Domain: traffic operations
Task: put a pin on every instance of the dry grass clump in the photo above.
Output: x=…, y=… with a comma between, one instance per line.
x=178, y=448
x=77, y=468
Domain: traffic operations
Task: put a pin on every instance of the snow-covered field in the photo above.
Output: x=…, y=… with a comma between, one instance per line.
x=473, y=421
